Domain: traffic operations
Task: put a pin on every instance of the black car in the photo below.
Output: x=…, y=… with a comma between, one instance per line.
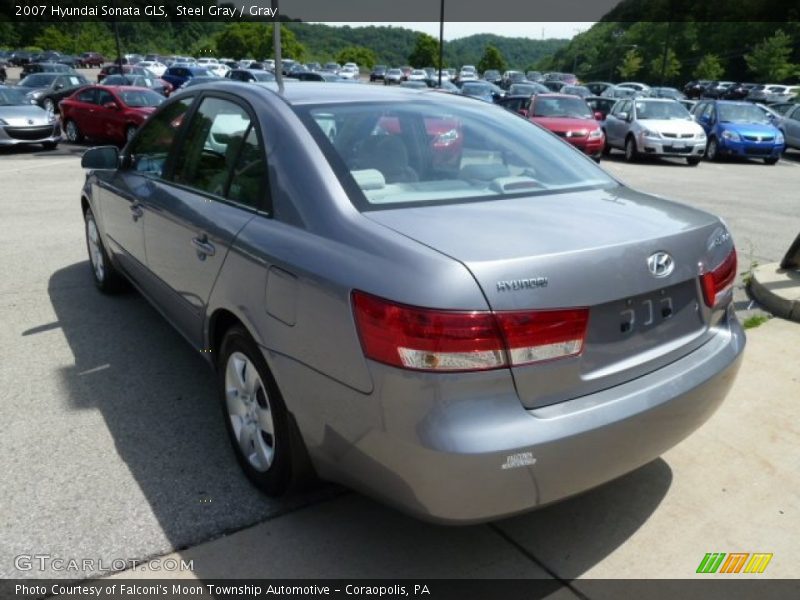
x=19, y=58
x=321, y=76
x=738, y=91
x=601, y=104
x=47, y=67
x=378, y=73
x=493, y=76
x=48, y=89
x=554, y=85
x=696, y=88
x=250, y=75
x=516, y=103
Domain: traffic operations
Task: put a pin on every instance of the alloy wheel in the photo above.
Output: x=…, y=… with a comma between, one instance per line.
x=95, y=250
x=249, y=411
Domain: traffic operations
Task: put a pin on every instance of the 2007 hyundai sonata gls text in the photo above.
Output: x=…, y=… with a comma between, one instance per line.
x=417, y=295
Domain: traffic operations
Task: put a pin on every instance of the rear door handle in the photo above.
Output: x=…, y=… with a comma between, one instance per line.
x=203, y=247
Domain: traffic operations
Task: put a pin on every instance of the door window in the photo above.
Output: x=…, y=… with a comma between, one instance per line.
x=221, y=154
x=87, y=96
x=104, y=97
x=151, y=148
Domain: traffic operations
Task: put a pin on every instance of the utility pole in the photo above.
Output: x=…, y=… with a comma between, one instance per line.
x=116, y=38
x=666, y=52
x=276, y=45
x=441, y=41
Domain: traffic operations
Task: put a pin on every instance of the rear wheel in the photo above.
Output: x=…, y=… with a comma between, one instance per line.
x=693, y=161
x=50, y=145
x=606, y=145
x=267, y=445
x=631, y=153
x=73, y=132
x=771, y=160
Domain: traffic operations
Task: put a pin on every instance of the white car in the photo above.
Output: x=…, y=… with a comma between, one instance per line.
x=348, y=72
x=155, y=67
x=468, y=73
x=207, y=62
x=417, y=75
x=269, y=64
x=350, y=64
x=654, y=127
x=635, y=85
x=218, y=69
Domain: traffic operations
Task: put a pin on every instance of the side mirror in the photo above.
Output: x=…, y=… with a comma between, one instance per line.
x=101, y=157
x=598, y=116
x=111, y=105
x=623, y=116
x=58, y=86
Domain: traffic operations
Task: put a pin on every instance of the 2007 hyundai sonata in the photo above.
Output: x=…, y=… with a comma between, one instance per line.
x=418, y=295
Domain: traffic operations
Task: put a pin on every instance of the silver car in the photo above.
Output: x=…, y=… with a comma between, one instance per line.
x=24, y=123
x=790, y=126
x=654, y=127
x=451, y=309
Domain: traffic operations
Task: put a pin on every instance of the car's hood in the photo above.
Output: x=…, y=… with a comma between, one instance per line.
x=678, y=126
x=749, y=128
x=559, y=124
x=24, y=115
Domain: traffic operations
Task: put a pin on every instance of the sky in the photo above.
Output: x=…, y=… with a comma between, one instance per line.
x=455, y=30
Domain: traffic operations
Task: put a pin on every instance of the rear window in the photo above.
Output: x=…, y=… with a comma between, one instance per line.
x=393, y=154
x=141, y=98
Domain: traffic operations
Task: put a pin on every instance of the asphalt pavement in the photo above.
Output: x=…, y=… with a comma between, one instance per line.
x=112, y=444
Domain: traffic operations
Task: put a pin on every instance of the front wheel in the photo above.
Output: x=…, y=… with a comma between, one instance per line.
x=693, y=161
x=74, y=134
x=631, y=153
x=771, y=160
x=106, y=277
x=266, y=444
x=712, y=151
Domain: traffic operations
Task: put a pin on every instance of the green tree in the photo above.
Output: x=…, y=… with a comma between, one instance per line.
x=770, y=60
x=95, y=37
x=52, y=38
x=425, y=53
x=631, y=64
x=491, y=59
x=672, y=67
x=363, y=57
x=239, y=40
x=709, y=67
x=290, y=47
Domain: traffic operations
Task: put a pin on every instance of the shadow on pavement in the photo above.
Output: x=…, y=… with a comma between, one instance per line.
x=157, y=398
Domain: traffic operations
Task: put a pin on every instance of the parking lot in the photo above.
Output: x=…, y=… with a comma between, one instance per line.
x=113, y=446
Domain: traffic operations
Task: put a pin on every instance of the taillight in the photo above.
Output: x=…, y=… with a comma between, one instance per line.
x=720, y=280
x=440, y=340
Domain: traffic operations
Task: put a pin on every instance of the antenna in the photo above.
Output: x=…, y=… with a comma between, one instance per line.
x=276, y=45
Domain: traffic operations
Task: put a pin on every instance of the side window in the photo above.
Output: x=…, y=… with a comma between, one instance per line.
x=221, y=155
x=87, y=96
x=150, y=152
x=795, y=116
x=104, y=97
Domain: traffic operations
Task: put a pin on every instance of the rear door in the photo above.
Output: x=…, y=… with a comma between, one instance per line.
x=218, y=184
x=791, y=126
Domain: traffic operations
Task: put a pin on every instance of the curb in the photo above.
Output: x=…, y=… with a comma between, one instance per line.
x=777, y=290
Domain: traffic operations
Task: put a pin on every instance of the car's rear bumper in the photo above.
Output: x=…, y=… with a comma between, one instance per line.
x=461, y=448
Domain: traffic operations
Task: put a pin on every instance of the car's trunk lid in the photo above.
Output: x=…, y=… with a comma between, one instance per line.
x=581, y=249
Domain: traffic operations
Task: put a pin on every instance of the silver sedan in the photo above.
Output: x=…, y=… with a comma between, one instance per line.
x=417, y=295
x=23, y=123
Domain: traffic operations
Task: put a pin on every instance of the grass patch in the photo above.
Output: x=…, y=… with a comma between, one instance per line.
x=754, y=321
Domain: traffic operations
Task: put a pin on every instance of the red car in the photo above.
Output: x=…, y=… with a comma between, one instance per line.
x=92, y=59
x=107, y=113
x=571, y=118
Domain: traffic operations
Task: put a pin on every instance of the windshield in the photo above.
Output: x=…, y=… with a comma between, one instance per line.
x=38, y=80
x=12, y=97
x=390, y=154
x=660, y=110
x=741, y=113
x=476, y=89
x=141, y=98
x=263, y=76
x=573, y=108
x=201, y=72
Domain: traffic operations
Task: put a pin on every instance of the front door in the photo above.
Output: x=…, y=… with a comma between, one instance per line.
x=218, y=183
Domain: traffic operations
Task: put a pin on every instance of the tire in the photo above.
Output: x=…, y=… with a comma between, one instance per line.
x=631, y=153
x=606, y=145
x=771, y=160
x=50, y=145
x=73, y=132
x=712, y=150
x=106, y=277
x=693, y=161
x=264, y=438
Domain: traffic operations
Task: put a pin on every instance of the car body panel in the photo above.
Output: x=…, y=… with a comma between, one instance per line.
x=757, y=140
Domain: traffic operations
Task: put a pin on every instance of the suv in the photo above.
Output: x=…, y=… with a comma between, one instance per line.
x=378, y=73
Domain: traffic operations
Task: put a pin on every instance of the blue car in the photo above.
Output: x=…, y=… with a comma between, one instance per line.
x=178, y=75
x=738, y=129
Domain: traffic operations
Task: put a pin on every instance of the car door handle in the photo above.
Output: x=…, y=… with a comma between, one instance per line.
x=136, y=212
x=203, y=247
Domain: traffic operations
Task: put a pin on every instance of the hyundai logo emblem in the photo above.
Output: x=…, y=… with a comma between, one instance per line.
x=661, y=264
x=30, y=121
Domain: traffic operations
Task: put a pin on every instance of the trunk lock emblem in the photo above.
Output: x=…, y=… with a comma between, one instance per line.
x=660, y=264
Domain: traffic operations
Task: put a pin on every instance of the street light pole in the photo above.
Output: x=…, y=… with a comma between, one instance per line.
x=666, y=51
x=441, y=40
x=276, y=45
